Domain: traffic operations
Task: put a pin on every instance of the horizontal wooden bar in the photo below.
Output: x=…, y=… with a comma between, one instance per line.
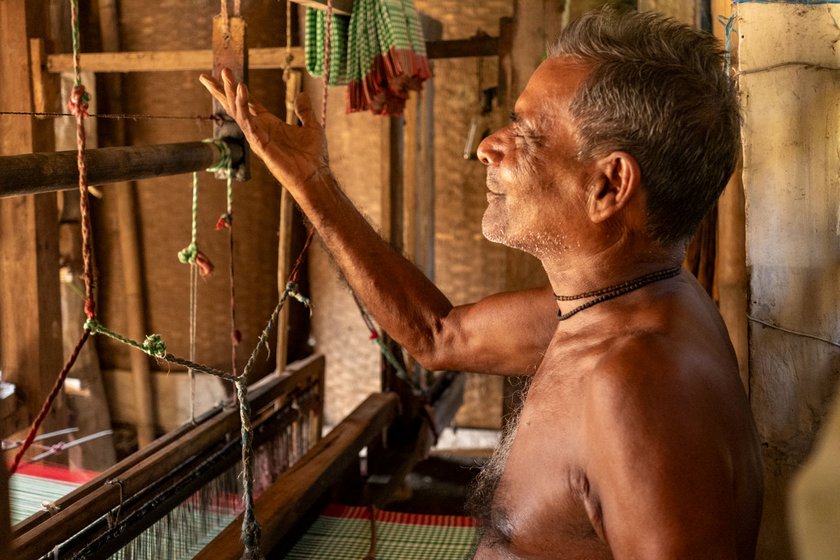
x=282, y=503
x=167, y=61
x=258, y=59
x=56, y=171
x=463, y=48
x=343, y=7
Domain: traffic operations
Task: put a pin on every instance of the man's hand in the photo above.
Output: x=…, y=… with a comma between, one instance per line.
x=293, y=154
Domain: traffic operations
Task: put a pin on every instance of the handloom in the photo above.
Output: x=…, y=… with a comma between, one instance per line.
x=167, y=500
x=184, y=485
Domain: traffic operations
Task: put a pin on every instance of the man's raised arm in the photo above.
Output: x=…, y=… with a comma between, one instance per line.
x=503, y=334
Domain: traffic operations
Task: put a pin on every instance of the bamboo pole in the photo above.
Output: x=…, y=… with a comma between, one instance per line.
x=55, y=171
x=287, y=205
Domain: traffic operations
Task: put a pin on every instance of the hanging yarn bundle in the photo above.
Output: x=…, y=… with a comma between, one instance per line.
x=379, y=52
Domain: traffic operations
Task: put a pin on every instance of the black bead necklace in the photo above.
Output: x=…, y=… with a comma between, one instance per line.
x=604, y=294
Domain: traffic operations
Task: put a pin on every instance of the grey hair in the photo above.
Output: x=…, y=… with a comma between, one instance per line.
x=657, y=90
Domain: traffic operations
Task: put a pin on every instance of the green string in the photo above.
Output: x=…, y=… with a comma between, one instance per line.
x=187, y=255
x=153, y=345
x=225, y=162
x=389, y=356
x=75, y=33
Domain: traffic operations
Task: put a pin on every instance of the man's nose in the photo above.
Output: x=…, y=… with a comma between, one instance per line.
x=490, y=150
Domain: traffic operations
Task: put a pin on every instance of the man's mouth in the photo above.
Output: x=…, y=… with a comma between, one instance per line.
x=493, y=188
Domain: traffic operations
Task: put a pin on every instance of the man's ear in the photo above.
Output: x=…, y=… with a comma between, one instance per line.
x=616, y=181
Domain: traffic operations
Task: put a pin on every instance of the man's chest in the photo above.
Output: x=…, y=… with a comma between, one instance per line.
x=544, y=492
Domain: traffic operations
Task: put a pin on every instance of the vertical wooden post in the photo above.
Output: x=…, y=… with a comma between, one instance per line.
x=5, y=514
x=731, y=266
x=287, y=206
x=129, y=239
x=230, y=50
x=412, y=146
x=30, y=317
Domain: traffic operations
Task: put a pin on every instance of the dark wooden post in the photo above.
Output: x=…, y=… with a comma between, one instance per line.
x=30, y=314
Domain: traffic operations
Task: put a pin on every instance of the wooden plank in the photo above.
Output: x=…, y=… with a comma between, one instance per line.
x=46, y=172
x=268, y=58
x=30, y=345
x=170, y=61
x=284, y=502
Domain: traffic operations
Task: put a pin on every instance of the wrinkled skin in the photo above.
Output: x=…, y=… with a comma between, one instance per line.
x=635, y=439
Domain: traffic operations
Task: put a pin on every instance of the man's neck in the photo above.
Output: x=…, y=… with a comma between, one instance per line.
x=601, y=267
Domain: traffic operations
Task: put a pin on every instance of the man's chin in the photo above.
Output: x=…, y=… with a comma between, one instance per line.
x=494, y=232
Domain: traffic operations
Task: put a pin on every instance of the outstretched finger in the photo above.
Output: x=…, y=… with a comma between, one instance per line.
x=215, y=88
x=242, y=102
x=303, y=109
x=230, y=91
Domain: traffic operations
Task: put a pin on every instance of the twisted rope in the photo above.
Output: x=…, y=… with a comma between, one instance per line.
x=251, y=532
x=326, y=64
x=45, y=408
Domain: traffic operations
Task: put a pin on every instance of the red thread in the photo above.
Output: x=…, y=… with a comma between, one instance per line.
x=373, y=335
x=296, y=268
x=45, y=408
x=224, y=222
x=78, y=103
x=205, y=267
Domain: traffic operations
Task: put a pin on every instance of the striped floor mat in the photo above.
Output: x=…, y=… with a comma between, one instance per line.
x=343, y=533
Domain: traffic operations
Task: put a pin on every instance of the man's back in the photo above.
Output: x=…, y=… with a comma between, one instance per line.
x=635, y=426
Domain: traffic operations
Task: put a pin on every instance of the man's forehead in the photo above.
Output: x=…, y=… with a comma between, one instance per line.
x=552, y=86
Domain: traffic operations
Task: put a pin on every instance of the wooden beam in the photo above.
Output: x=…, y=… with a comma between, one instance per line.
x=169, y=61
x=341, y=7
x=481, y=45
x=258, y=59
x=30, y=325
x=54, y=171
x=285, y=501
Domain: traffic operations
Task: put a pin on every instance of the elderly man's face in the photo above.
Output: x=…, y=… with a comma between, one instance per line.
x=534, y=180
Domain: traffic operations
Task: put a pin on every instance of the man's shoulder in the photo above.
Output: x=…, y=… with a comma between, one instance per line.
x=650, y=373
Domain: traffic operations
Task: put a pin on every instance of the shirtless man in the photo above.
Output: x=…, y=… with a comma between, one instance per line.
x=635, y=439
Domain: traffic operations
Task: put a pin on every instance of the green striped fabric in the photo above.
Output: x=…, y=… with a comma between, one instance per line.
x=343, y=533
x=379, y=52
